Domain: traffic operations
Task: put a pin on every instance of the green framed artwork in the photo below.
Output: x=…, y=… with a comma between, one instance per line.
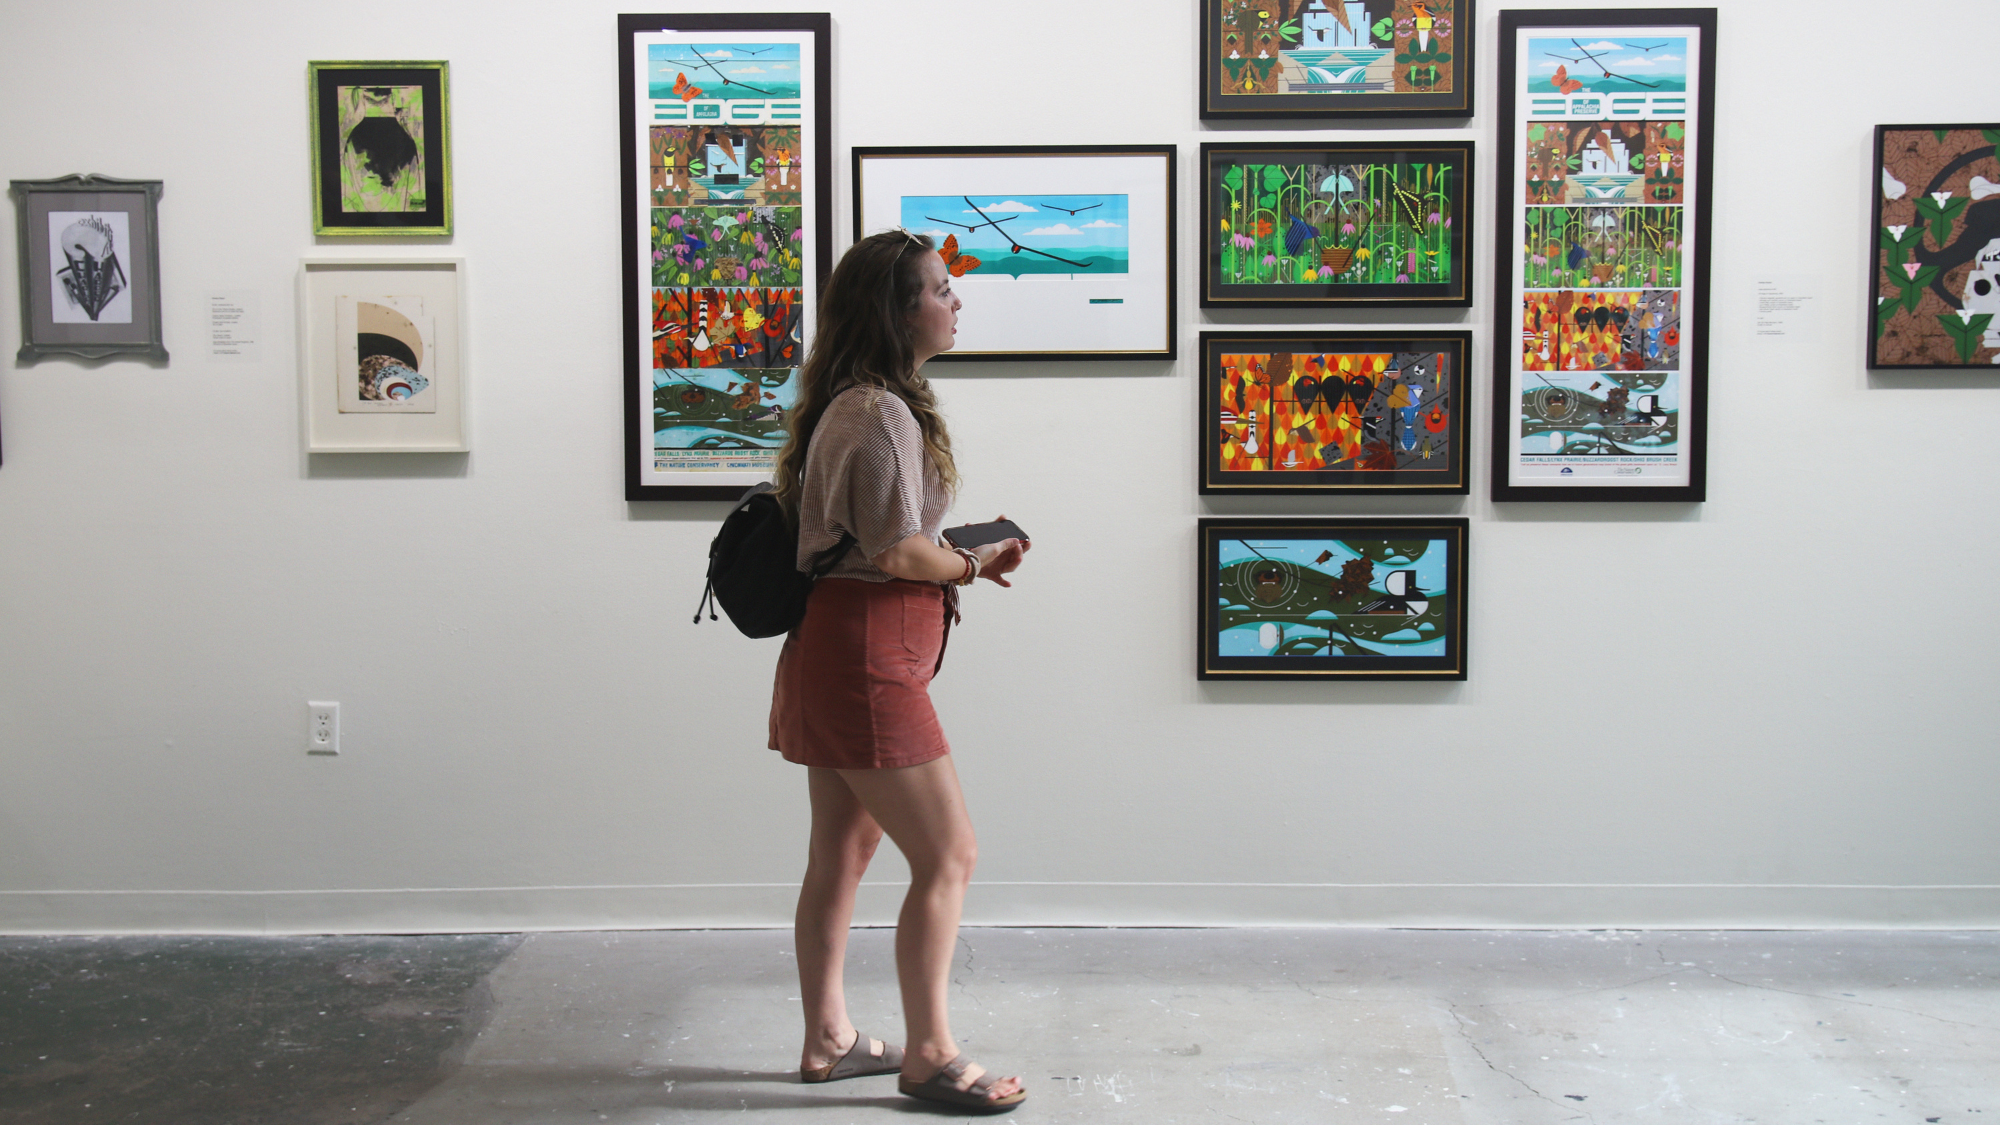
x=1324, y=224
x=381, y=147
x=1936, y=275
x=1336, y=58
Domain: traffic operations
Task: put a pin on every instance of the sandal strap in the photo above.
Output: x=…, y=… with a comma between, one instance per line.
x=859, y=1059
x=955, y=1070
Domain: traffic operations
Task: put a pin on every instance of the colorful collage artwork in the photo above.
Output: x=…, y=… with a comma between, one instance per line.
x=1348, y=224
x=1295, y=598
x=1602, y=207
x=726, y=182
x=1331, y=597
x=1936, y=279
x=1302, y=412
x=1337, y=46
x=1337, y=57
x=1364, y=411
x=1336, y=224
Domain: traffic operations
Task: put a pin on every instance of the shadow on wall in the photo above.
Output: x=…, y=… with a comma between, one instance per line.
x=1967, y=379
x=387, y=466
x=1318, y=693
x=1529, y=511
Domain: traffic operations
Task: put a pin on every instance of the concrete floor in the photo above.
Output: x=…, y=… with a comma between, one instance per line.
x=1156, y=1026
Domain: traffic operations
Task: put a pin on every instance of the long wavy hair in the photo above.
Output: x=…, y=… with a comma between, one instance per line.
x=864, y=338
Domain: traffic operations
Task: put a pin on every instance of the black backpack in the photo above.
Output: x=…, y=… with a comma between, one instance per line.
x=753, y=567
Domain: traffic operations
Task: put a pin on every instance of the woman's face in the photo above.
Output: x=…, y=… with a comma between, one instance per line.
x=935, y=319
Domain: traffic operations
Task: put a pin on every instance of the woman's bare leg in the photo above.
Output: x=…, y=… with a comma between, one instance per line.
x=844, y=837
x=923, y=811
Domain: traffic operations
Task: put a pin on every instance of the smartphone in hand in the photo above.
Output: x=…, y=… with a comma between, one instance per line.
x=979, y=534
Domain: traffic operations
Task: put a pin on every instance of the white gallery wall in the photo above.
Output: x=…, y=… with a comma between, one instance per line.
x=1775, y=708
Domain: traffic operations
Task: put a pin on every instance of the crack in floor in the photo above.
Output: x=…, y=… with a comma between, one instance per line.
x=1466, y=1035
x=967, y=969
x=1849, y=1000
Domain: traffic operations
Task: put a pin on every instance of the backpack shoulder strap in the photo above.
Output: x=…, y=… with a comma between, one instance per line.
x=827, y=559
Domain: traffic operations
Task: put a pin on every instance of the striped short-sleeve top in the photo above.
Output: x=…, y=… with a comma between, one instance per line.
x=867, y=473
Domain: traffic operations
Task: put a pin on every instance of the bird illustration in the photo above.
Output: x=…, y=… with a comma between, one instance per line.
x=1577, y=254
x=1424, y=25
x=1067, y=211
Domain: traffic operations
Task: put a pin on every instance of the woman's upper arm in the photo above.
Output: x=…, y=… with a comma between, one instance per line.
x=903, y=558
x=885, y=478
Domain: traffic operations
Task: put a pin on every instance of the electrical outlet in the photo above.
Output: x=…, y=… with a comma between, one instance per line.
x=322, y=728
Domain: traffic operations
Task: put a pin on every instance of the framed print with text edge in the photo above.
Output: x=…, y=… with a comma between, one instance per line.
x=1346, y=413
x=89, y=250
x=1935, y=310
x=1365, y=59
x=1331, y=598
x=1331, y=224
x=381, y=147
x=727, y=189
x=1068, y=246
x=1600, y=344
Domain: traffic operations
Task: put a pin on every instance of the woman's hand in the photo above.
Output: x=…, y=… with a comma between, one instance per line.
x=920, y=560
x=998, y=559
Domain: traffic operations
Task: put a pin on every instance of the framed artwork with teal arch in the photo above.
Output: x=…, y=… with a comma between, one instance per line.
x=1336, y=58
x=381, y=147
x=1332, y=599
x=1060, y=252
x=1327, y=224
x=1600, y=335
x=1935, y=267
x=727, y=187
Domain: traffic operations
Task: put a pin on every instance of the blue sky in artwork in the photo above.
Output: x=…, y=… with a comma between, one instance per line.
x=1638, y=62
x=758, y=66
x=1039, y=220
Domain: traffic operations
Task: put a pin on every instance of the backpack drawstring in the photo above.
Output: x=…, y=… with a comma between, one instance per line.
x=707, y=599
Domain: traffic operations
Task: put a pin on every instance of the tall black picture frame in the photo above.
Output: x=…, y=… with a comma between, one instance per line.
x=1600, y=340
x=727, y=192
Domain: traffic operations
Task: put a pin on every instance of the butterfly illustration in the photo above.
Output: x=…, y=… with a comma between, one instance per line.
x=954, y=261
x=1562, y=81
x=685, y=90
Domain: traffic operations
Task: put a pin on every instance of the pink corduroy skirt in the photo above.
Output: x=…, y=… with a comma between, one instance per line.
x=853, y=681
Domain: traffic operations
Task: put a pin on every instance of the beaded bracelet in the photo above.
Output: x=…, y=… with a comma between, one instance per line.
x=971, y=567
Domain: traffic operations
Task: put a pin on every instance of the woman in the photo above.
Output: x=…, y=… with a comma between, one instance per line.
x=869, y=457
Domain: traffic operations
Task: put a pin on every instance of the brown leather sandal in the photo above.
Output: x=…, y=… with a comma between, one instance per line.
x=858, y=1062
x=943, y=1087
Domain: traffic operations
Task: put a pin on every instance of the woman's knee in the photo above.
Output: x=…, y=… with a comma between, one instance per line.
x=849, y=852
x=864, y=844
x=951, y=863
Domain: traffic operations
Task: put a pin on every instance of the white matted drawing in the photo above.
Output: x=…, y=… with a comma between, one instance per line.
x=379, y=355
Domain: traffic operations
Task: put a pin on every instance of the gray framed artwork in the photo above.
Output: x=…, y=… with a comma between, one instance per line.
x=90, y=267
